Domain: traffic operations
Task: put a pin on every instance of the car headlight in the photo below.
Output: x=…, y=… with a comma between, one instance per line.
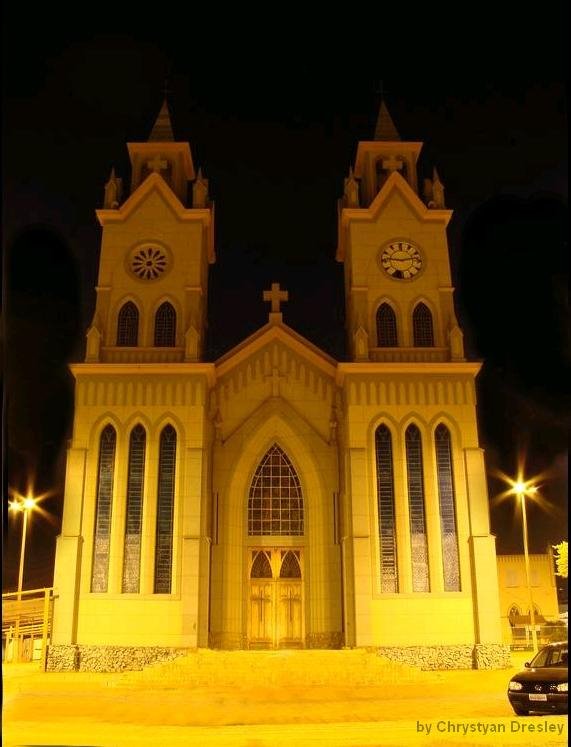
x=515, y=686
x=563, y=687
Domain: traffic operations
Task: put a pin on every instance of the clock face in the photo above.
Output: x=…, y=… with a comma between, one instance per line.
x=148, y=262
x=401, y=260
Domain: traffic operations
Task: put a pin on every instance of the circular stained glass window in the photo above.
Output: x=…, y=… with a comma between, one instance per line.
x=149, y=262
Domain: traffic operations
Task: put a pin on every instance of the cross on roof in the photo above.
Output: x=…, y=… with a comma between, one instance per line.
x=157, y=164
x=275, y=378
x=275, y=296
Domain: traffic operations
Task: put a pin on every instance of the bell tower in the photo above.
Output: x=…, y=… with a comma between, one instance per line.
x=156, y=247
x=393, y=244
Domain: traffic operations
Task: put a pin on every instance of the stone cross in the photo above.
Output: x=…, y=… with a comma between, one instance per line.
x=275, y=296
x=157, y=164
x=275, y=377
x=392, y=164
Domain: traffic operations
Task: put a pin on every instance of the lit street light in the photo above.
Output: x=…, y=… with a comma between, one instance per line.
x=521, y=489
x=23, y=505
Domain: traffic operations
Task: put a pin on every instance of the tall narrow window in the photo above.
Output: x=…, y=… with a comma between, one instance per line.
x=418, y=540
x=386, y=327
x=423, y=331
x=386, y=509
x=275, y=505
x=165, y=326
x=128, y=325
x=450, y=561
x=102, y=534
x=165, y=511
x=134, y=510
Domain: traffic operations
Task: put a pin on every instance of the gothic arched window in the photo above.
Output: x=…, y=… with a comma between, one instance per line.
x=386, y=326
x=134, y=510
x=415, y=484
x=165, y=326
x=423, y=331
x=128, y=325
x=449, y=534
x=513, y=614
x=102, y=533
x=386, y=509
x=165, y=511
x=275, y=504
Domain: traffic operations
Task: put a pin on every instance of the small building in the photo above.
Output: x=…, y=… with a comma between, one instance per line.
x=514, y=595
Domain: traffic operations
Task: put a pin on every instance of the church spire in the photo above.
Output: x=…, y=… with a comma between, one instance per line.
x=162, y=130
x=385, y=129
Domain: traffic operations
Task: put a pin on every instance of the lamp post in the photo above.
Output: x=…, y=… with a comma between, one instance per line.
x=521, y=489
x=25, y=506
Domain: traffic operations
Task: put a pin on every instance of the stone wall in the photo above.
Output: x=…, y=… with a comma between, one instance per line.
x=492, y=656
x=480, y=656
x=107, y=658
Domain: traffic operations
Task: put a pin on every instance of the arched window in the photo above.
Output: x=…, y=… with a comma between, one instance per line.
x=386, y=509
x=514, y=614
x=165, y=511
x=423, y=331
x=415, y=481
x=102, y=534
x=165, y=326
x=450, y=561
x=275, y=504
x=134, y=510
x=386, y=327
x=128, y=325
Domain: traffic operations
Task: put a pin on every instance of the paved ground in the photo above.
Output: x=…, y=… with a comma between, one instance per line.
x=452, y=708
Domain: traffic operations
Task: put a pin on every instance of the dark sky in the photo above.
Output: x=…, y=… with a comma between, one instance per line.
x=273, y=105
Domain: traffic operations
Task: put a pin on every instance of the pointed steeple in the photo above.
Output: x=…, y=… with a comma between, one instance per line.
x=162, y=130
x=385, y=129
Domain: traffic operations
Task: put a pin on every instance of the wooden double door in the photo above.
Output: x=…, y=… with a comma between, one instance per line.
x=275, y=598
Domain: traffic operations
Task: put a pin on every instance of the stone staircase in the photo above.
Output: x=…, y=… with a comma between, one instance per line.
x=253, y=669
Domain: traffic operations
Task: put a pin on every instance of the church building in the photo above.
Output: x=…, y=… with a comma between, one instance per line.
x=275, y=497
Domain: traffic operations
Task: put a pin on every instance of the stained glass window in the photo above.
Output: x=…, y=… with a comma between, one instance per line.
x=450, y=560
x=165, y=326
x=418, y=539
x=128, y=325
x=386, y=509
x=134, y=510
x=275, y=505
x=386, y=327
x=102, y=534
x=261, y=567
x=290, y=565
x=423, y=331
x=165, y=511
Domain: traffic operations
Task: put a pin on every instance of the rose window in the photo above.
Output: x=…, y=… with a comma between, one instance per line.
x=149, y=263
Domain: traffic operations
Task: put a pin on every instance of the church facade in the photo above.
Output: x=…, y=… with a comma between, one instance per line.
x=275, y=497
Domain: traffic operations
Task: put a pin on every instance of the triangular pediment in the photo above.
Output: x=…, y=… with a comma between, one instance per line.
x=394, y=187
x=153, y=184
x=299, y=346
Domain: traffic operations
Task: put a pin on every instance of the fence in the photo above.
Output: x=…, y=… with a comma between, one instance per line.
x=27, y=625
x=548, y=632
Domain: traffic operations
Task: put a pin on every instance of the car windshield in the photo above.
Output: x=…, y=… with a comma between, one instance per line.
x=550, y=657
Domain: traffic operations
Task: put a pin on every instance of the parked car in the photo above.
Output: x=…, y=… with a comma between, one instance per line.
x=543, y=684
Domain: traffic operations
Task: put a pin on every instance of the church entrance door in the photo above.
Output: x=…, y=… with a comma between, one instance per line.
x=275, y=599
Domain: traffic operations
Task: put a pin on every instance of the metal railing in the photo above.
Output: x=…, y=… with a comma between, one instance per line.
x=26, y=620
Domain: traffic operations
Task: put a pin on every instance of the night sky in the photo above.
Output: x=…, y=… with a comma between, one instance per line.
x=273, y=105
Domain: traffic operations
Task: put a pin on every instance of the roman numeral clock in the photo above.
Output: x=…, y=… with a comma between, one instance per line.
x=401, y=259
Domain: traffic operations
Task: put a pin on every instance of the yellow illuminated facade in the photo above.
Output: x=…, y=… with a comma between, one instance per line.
x=275, y=497
x=514, y=591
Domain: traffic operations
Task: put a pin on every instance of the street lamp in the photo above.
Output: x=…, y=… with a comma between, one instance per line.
x=521, y=489
x=24, y=505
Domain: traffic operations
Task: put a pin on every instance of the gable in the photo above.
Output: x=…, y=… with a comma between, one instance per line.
x=275, y=364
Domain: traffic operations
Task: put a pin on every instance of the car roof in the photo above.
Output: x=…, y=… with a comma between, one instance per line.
x=557, y=644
